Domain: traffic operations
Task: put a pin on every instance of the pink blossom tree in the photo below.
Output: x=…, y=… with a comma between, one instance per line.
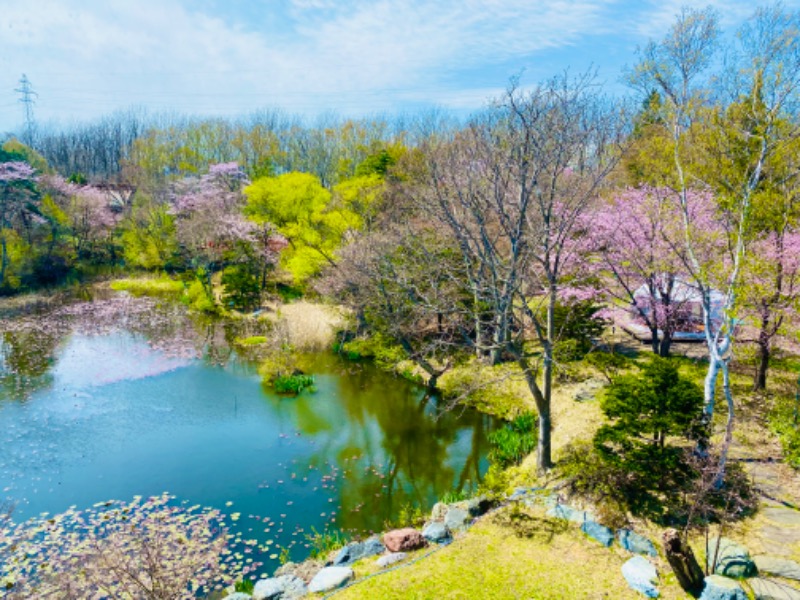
x=638, y=234
x=212, y=229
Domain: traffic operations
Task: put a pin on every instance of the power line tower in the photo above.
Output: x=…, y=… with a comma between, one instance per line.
x=28, y=99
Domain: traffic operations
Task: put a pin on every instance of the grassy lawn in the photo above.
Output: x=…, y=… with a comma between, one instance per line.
x=521, y=556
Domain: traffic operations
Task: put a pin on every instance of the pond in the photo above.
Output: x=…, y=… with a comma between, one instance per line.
x=95, y=406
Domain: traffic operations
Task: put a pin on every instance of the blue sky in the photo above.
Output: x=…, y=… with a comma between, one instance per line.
x=86, y=58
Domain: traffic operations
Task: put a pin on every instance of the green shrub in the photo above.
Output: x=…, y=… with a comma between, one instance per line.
x=197, y=299
x=513, y=442
x=245, y=586
x=634, y=463
x=454, y=496
x=409, y=515
x=293, y=384
x=577, y=321
x=242, y=288
x=383, y=351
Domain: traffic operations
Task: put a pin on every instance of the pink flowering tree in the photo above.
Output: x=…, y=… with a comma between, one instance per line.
x=639, y=239
x=213, y=232
x=772, y=294
x=18, y=206
x=85, y=213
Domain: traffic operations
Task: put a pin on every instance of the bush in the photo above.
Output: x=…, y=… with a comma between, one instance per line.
x=608, y=363
x=631, y=463
x=293, y=384
x=577, y=321
x=513, y=442
x=785, y=422
x=197, y=299
x=242, y=289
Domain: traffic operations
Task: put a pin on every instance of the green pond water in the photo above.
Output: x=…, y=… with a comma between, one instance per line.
x=88, y=417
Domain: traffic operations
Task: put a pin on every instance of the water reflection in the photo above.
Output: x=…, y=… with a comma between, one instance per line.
x=151, y=400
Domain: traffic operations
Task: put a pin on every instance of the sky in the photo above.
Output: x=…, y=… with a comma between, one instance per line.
x=87, y=58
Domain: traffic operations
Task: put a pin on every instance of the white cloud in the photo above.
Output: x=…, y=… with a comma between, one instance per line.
x=86, y=57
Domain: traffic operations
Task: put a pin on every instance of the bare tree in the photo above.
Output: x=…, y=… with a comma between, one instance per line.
x=511, y=191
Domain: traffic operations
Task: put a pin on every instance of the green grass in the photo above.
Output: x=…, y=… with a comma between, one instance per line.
x=159, y=287
x=522, y=557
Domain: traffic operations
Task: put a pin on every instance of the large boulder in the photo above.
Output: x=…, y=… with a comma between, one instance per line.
x=330, y=578
x=456, y=518
x=718, y=587
x=390, y=559
x=436, y=532
x=633, y=542
x=403, y=540
x=357, y=550
x=641, y=575
x=304, y=570
x=732, y=559
x=598, y=532
x=284, y=587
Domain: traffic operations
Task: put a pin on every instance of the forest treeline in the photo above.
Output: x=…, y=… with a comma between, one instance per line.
x=500, y=237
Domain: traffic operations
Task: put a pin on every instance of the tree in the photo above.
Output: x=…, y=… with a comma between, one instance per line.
x=17, y=206
x=727, y=147
x=210, y=226
x=638, y=234
x=510, y=191
x=315, y=221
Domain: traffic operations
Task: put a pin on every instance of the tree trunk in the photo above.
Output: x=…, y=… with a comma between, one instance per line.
x=685, y=566
x=665, y=345
x=654, y=344
x=764, y=354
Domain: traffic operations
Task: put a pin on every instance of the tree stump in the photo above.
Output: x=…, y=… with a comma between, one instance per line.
x=684, y=564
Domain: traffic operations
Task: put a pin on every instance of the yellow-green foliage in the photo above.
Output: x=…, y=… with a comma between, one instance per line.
x=312, y=219
x=160, y=287
x=253, y=340
x=377, y=347
x=499, y=390
x=18, y=252
x=196, y=298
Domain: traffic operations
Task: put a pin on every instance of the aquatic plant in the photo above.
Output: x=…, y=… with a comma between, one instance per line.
x=148, y=548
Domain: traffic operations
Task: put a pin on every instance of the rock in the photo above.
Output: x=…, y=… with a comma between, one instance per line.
x=403, y=540
x=357, y=550
x=456, y=518
x=562, y=511
x=718, y=587
x=439, y=511
x=478, y=506
x=304, y=570
x=238, y=596
x=633, y=542
x=641, y=575
x=601, y=533
x=438, y=533
x=284, y=587
x=390, y=559
x=767, y=589
x=732, y=559
x=330, y=578
x=775, y=565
